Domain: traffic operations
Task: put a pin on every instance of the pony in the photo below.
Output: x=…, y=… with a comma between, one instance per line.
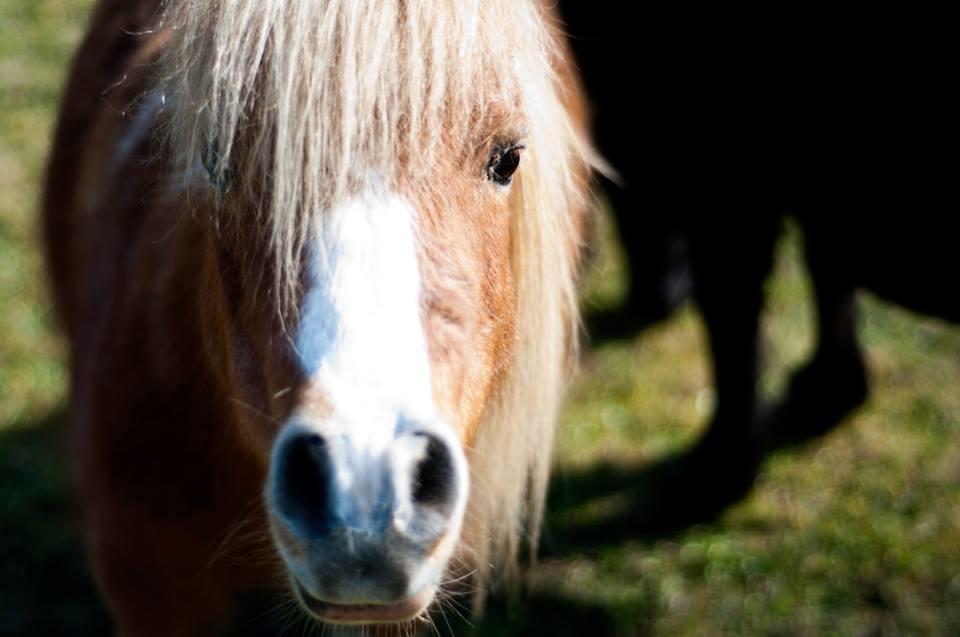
x=830, y=126
x=316, y=263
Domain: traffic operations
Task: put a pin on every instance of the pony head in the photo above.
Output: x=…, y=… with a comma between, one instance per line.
x=395, y=187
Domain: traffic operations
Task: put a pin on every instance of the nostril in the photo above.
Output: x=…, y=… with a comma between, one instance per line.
x=433, y=482
x=303, y=481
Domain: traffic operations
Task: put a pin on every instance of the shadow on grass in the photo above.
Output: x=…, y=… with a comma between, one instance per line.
x=606, y=504
x=540, y=615
x=45, y=587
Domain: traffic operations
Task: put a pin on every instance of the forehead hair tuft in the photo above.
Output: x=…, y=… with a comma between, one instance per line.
x=306, y=101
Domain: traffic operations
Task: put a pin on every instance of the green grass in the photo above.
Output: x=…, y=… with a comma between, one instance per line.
x=855, y=534
x=36, y=39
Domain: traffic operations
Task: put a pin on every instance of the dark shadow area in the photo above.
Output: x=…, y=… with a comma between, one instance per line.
x=538, y=614
x=625, y=323
x=45, y=586
x=607, y=504
x=623, y=504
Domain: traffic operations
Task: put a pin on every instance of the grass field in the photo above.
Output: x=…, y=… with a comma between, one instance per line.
x=856, y=534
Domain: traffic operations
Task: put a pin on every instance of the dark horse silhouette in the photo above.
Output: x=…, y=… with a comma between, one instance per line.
x=719, y=126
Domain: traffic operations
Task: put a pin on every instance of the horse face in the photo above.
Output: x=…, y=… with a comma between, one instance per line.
x=404, y=327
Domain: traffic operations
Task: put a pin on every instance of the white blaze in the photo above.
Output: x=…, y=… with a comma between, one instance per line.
x=360, y=326
x=361, y=342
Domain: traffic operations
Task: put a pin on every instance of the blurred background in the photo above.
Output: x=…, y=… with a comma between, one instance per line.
x=857, y=533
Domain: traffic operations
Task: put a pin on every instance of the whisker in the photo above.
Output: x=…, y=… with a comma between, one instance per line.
x=232, y=532
x=461, y=578
x=242, y=403
x=449, y=602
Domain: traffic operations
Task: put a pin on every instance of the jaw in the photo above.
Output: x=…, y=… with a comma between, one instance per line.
x=347, y=599
x=365, y=613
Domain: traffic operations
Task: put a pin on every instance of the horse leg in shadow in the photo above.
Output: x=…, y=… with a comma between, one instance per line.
x=730, y=264
x=834, y=381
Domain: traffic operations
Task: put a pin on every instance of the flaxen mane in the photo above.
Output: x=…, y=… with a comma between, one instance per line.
x=290, y=97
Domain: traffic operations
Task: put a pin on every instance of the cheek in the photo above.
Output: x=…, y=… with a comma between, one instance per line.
x=264, y=381
x=469, y=308
x=267, y=387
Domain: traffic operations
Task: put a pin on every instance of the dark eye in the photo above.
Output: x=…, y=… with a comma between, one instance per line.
x=503, y=163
